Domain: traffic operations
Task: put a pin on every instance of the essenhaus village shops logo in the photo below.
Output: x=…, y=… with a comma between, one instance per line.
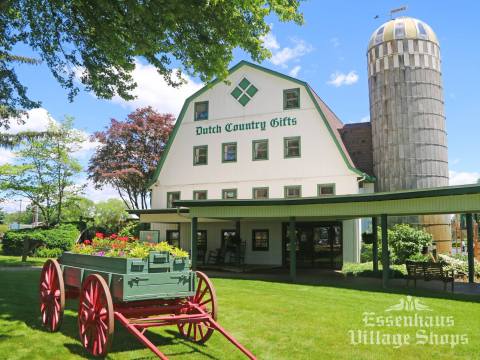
x=250, y=125
x=408, y=322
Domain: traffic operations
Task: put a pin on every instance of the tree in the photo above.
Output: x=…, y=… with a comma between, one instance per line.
x=45, y=170
x=110, y=215
x=98, y=42
x=128, y=154
x=78, y=208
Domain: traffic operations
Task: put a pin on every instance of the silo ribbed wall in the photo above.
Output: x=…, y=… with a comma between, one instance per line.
x=408, y=123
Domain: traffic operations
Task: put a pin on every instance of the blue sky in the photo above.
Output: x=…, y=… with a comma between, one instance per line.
x=329, y=52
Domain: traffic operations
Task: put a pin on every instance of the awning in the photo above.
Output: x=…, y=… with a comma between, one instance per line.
x=441, y=200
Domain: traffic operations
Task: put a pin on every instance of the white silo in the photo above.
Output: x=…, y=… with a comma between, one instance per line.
x=407, y=114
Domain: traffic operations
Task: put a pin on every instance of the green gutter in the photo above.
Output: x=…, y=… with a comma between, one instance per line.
x=336, y=199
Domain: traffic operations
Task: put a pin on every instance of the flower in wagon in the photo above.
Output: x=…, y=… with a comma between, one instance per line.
x=87, y=242
x=113, y=236
x=99, y=235
x=100, y=253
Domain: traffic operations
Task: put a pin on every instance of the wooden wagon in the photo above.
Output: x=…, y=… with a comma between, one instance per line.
x=157, y=291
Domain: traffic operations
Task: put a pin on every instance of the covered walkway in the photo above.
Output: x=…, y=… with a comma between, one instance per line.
x=444, y=200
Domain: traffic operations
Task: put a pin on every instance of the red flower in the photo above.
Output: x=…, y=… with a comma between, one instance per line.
x=87, y=242
x=123, y=238
x=113, y=236
x=99, y=235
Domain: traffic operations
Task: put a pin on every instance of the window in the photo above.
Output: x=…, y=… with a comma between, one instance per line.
x=260, y=240
x=379, y=36
x=326, y=189
x=260, y=150
x=421, y=30
x=229, y=194
x=200, y=155
x=291, y=147
x=293, y=191
x=173, y=237
x=201, y=111
x=260, y=193
x=291, y=99
x=200, y=195
x=229, y=152
x=202, y=239
x=171, y=197
x=399, y=30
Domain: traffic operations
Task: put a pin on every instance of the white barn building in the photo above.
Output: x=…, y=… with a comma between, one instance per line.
x=260, y=135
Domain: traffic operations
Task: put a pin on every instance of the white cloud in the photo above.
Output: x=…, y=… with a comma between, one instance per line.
x=338, y=78
x=335, y=41
x=282, y=56
x=294, y=72
x=96, y=195
x=152, y=90
x=37, y=120
x=364, y=119
x=6, y=156
x=270, y=41
x=463, y=177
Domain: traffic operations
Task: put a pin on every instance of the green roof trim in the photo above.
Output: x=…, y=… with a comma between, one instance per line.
x=337, y=199
x=268, y=71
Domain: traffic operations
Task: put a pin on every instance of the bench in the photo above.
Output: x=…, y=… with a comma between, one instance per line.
x=429, y=271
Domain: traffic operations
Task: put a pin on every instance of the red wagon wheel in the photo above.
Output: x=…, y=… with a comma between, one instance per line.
x=95, y=316
x=52, y=295
x=205, y=299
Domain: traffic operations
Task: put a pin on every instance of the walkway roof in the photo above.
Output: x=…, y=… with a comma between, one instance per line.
x=442, y=200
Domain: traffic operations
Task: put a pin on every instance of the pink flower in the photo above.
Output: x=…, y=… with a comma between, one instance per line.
x=113, y=236
x=87, y=242
x=99, y=235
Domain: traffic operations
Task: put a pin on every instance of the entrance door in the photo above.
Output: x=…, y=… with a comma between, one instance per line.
x=319, y=245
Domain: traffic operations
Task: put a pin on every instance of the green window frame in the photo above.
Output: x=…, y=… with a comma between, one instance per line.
x=226, y=196
x=288, y=188
x=291, y=99
x=171, y=197
x=226, y=157
x=260, y=239
x=326, y=189
x=255, y=147
x=292, y=147
x=198, y=158
x=200, y=194
x=200, y=111
x=256, y=189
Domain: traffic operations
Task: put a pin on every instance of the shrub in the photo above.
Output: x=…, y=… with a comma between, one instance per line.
x=62, y=237
x=131, y=229
x=366, y=270
x=406, y=241
x=13, y=240
x=45, y=252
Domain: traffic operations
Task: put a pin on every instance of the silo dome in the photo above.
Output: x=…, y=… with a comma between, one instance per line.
x=402, y=28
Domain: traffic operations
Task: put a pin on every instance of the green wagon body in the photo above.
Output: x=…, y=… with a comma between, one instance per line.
x=160, y=276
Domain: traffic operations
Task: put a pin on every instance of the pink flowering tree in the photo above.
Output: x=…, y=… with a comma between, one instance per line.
x=128, y=154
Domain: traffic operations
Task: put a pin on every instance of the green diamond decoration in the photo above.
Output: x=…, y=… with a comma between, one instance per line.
x=244, y=99
x=252, y=90
x=244, y=83
x=236, y=92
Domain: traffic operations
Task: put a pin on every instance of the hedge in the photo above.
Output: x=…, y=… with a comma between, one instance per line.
x=62, y=237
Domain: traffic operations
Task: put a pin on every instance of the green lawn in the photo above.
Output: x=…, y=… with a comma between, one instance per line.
x=274, y=320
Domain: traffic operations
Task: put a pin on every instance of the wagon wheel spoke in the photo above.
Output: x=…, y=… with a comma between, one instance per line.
x=95, y=316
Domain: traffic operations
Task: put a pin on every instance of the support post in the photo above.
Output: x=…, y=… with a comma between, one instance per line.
x=293, y=248
x=385, y=252
x=238, y=243
x=193, y=243
x=375, y=243
x=470, y=251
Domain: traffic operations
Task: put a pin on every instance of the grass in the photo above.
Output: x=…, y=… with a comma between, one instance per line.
x=274, y=320
x=16, y=261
